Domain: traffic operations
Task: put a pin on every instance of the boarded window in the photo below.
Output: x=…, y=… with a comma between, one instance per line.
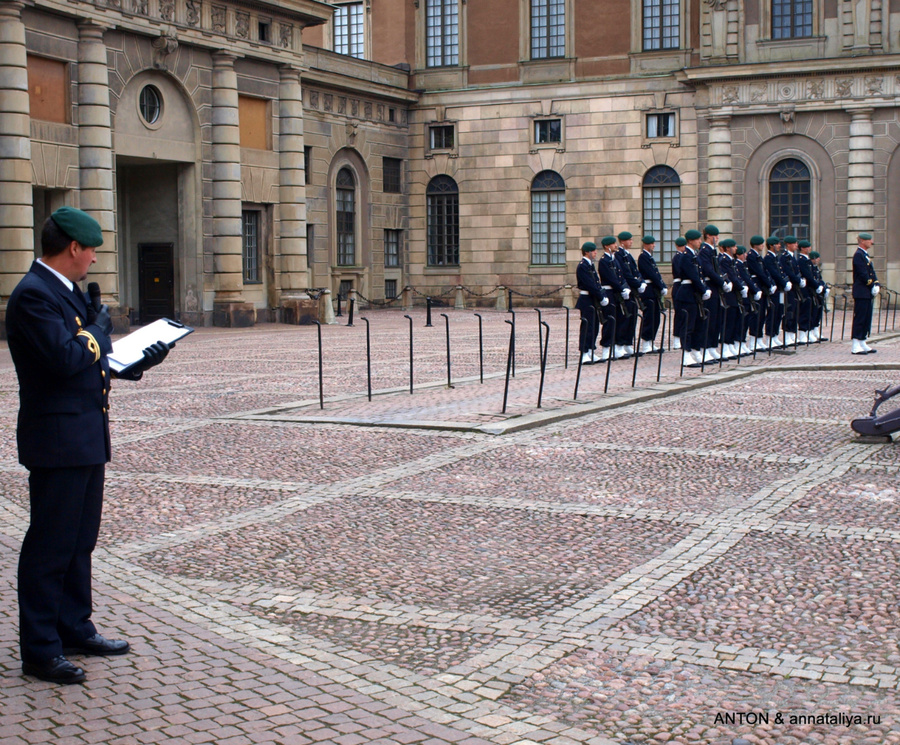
x=254, y=118
x=48, y=85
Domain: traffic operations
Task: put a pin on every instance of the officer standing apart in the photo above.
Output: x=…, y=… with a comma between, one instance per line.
x=59, y=340
x=865, y=288
x=653, y=299
x=590, y=295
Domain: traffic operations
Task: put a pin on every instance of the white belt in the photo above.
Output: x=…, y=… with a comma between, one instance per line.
x=675, y=281
x=583, y=292
x=685, y=281
x=606, y=287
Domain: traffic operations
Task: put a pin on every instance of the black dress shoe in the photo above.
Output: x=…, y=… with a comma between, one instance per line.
x=55, y=670
x=98, y=646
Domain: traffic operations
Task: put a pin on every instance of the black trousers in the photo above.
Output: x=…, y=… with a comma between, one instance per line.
x=587, y=339
x=862, y=317
x=714, y=329
x=773, y=317
x=626, y=324
x=651, y=318
x=690, y=333
x=732, y=326
x=55, y=563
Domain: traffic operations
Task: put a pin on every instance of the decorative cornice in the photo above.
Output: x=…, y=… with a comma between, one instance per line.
x=796, y=68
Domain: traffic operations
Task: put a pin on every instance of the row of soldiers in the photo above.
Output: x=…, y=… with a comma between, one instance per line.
x=728, y=300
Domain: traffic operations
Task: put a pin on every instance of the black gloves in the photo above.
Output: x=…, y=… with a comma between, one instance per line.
x=100, y=318
x=153, y=355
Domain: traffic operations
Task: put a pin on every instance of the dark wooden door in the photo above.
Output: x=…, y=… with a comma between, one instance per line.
x=156, y=277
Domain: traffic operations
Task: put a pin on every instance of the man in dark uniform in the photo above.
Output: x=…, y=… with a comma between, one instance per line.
x=750, y=320
x=653, y=297
x=637, y=285
x=612, y=281
x=768, y=288
x=59, y=340
x=814, y=259
x=590, y=296
x=782, y=285
x=813, y=293
x=732, y=299
x=712, y=275
x=689, y=297
x=865, y=289
x=794, y=299
x=677, y=319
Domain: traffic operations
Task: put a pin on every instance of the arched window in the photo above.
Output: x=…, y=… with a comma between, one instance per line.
x=345, y=213
x=662, y=208
x=548, y=219
x=789, y=203
x=442, y=196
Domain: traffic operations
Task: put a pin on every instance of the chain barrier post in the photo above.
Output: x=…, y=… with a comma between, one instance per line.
x=545, y=346
x=447, y=325
x=350, y=312
x=480, y=349
x=612, y=349
x=427, y=312
x=339, y=298
x=321, y=393
x=410, y=353
x=567, y=336
x=540, y=335
x=509, y=358
x=509, y=301
x=637, y=354
x=368, y=356
x=581, y=331
x=513, y=341
x=844, y=319
x=662, y=344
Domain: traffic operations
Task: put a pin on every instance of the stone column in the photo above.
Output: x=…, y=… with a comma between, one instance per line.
x=95, y=156
x=861, y=177
x=229, y=308
x=292, y=198
x=16, y=213
x=720, y=193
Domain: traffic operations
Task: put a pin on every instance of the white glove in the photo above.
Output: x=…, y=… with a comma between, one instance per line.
x=707, y=295
x=802, y=282
x=626, y=293
x=727, y=287
x=827, y=291
x=642, y=288
x=604, y=302
x=744, y=292
x=819, y=290
x=758, y=295
x=772, y=289
x=875, y=290
x=664, y=291
x=788, y=286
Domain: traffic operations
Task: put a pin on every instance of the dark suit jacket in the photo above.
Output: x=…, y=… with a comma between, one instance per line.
x=691, y=284
x=649, y=271
x=790, y=269
x=863, y=275
x=587, y=279
x=611, y=273
x=758, y=271
x=726, y=265
x=63, y=386
x=744, y=273
x=773, y=269
x=709, y=266
x=628, y=267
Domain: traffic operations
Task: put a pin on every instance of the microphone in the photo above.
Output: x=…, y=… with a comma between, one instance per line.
x=94, y=294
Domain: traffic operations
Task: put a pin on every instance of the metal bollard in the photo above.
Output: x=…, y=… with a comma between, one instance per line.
x=567, y=336
x=509, y=357
x=545, y=346
x=339, y=298
x=368, y=356
x=410, y=353
x=428, y=312
x=480, y=349
x=321, y=393
x=447, y=324
x=350, y=312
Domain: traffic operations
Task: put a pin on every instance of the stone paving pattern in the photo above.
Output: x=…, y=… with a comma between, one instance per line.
x=660, y=564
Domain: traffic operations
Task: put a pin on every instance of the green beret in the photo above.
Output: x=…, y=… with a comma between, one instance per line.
x=728, y=243
x=588, y=246
x=693, y=235
x=79, y=226
x=772, y=241
x=625, y=236
x=790, y=239
x=865, y=236
x=757, y=240
x=680, y=241
x=710, y=230
x=740, y=250
x=804, y=243
x=608, y=240
x=814, y=254
x=648, y=239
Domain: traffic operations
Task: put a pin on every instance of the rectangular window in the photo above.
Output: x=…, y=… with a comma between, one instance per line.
x=391, y=248
x=792, y=19
x=661, y=125
x=441, y=137
x=253, y=114
x=390, y=289
x=348, y=30
x=264, y=32
x=441, y=33
x=391, y=175
x=48, y=89
x=310, y=244
x=547, y=131
x=307, y=164
x=661, y=24
x=251, y=242
x=548, y=29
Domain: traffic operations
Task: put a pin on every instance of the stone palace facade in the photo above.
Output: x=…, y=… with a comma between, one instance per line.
x=242, y=155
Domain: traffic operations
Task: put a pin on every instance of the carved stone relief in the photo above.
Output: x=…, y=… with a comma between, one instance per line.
x=874, y=85
x=242, y=25
x=327, y=102
x=140, y=7
x=167, y=10
x=730, y=94
x=845, y=87
x=218, y=19
x=193, y=12
x=816, y=89
x=287, y=35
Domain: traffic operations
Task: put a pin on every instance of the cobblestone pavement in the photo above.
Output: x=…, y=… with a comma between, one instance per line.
x=704, y=559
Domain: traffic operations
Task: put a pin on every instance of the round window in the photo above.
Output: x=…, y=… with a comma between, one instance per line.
x=150, y=103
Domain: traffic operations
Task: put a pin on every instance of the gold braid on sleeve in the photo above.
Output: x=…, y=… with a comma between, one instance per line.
x=91, y=342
